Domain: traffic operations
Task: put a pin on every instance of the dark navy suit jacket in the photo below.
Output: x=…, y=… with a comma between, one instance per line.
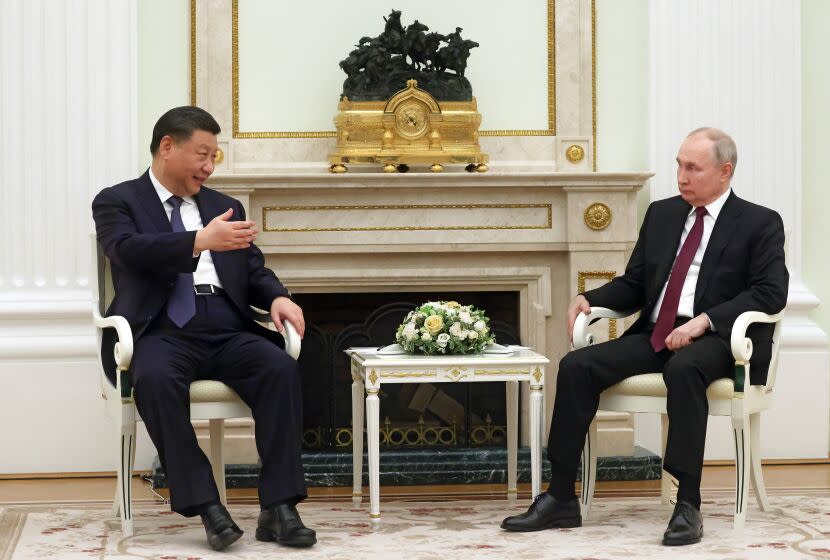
x=743, y=269
x=146, y=255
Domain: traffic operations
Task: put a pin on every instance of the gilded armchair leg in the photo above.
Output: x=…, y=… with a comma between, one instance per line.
x=755, y=458
x=742, y=433
x=666, y=486
x=126, y=450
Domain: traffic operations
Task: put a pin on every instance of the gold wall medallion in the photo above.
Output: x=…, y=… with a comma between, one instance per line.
x=412, y=127
x=597, y=216
x=575, y=153
x=220, y=156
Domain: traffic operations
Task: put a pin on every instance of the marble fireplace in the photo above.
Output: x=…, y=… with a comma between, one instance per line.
x=541, y=237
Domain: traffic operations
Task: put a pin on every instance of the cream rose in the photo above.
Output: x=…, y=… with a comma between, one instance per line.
x=434, y=324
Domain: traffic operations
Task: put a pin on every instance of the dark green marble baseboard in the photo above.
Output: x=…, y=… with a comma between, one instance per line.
x=479, y=465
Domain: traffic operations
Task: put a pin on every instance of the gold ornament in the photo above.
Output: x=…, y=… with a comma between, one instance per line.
x=574, y=153
x=412, y=127
x=597, y=216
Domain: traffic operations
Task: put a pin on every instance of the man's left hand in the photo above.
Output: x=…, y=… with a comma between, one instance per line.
x=283, y=308
x=687, y=332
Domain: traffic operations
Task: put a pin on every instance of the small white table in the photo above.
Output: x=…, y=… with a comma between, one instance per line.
x=371, y=369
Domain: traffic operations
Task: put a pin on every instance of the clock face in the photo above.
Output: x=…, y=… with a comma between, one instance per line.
x=411, y=120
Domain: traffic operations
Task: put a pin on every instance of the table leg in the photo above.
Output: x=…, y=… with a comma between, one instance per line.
x=357, y=441
x=373, y=439
x=512, y=391
x=535, y=439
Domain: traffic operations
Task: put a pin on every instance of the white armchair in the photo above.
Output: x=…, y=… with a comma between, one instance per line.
x=735, y=398
x=210, y=400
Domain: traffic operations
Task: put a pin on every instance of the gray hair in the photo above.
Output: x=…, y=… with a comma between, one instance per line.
x=724, y=147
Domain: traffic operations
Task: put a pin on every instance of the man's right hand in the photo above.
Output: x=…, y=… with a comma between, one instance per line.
x=578, y=305
x=223, y=235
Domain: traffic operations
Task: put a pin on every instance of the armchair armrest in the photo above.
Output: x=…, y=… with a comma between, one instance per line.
x=293, y=342
x=740, y=343
x=742, y=346
x=581, y=336
x=123, y=351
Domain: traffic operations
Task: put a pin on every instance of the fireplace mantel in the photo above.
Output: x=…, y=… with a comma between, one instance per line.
x=531, y=233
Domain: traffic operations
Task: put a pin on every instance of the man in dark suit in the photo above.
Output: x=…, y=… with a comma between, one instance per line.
x=186, y=272
x=702, y=258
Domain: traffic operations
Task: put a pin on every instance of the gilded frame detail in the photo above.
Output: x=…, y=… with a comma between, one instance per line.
x=607, y=275
x=548, y=223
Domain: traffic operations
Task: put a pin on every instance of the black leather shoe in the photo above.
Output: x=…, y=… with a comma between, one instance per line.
x=685, y=526
x=282, y=524
x=546, y=512
x=220, y=528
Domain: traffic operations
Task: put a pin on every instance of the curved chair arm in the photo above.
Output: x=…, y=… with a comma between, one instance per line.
x=292, y=340
x=741, y=344
x=582, y=337
x=123, y=351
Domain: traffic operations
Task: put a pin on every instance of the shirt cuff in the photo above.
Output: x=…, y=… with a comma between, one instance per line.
x=711, y=324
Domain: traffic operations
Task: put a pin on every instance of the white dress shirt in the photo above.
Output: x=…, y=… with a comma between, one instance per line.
x=205, y=272
x=687, y=295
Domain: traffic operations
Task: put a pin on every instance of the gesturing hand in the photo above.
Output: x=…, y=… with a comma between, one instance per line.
x=578, y=305
x=283, y=308
x=223, y=235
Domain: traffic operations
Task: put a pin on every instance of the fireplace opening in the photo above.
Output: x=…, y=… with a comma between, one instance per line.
x=425, y=415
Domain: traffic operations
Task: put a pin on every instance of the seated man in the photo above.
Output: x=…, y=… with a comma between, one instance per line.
x=701, y=259
x=186, y=272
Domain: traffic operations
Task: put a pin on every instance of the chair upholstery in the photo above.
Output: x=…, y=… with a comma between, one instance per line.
x=210, y=400
x=727, y=397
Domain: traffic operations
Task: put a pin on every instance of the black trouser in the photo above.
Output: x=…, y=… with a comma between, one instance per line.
x=213, y=345
x=585, y=373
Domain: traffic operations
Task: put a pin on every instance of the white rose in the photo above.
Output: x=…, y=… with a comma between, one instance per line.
x=456, y=329
x=443, y=339
x=426, y=337
x=472, y=335
x=410, y=332
x=480, y=326
x=465, y=317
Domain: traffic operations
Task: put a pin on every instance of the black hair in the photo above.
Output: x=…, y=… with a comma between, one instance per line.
x=180, y=124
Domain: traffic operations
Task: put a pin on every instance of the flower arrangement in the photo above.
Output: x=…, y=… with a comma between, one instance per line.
x=445, y=327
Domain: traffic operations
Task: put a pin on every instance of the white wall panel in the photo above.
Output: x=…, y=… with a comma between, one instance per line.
x=736, y=65
x=67, y=108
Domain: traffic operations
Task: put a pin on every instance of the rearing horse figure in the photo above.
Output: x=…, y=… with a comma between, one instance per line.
x=415, y=41
x=393, y=33
x=425, y=54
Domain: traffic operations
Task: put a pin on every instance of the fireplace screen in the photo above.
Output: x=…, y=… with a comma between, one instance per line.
x=412, y=415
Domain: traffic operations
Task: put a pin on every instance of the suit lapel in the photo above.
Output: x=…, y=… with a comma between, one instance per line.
x=721, y=234
x=672, y=230
x=152, y=204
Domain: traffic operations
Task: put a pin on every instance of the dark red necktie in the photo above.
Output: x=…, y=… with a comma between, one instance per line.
x=668, y=309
